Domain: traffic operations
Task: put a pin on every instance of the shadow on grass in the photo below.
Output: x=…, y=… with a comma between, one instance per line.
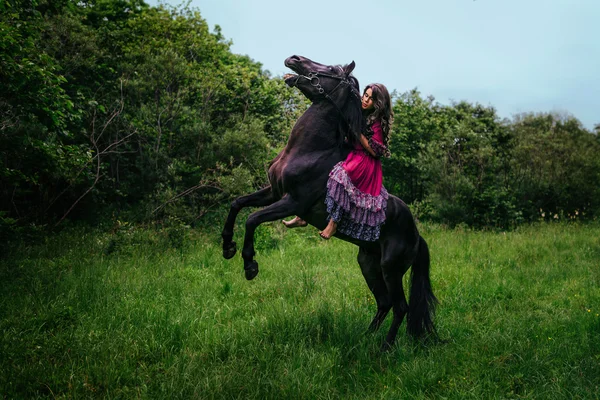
x=325, y=330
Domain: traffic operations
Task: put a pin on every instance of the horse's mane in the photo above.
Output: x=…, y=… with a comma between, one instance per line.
x=352, y=112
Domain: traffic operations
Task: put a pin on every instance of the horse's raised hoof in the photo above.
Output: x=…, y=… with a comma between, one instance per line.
x=251, y=270
x=229, y=250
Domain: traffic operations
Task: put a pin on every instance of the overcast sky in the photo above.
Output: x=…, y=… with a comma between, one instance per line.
x=514, y=55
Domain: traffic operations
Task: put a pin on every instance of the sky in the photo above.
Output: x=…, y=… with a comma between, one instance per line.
x=514, y=55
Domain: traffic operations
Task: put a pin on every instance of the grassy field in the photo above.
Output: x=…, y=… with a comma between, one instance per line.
x=144, y=314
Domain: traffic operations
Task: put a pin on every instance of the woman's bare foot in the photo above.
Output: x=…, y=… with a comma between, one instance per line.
x=295, y=223
x=329, y=231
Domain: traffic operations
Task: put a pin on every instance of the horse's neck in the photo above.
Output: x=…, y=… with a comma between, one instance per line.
x=316, y=129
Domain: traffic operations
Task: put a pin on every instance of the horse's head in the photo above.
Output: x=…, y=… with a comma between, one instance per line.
x=331, y=83
x=316, y=80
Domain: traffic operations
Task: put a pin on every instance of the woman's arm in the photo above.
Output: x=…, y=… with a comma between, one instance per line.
x=373, y=144
x=376, y=142
x=365, y=143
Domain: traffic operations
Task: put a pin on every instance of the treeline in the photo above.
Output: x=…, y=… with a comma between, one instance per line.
x=462, y=164
x=112, y=107
x=115, y=109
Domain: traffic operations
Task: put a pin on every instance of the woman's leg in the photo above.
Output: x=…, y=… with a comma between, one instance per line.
x=329, y=230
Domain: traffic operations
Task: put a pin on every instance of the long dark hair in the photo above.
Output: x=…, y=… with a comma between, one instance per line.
x=382, y=110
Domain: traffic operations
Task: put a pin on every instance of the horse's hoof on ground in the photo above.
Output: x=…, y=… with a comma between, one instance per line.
x=385, y=347
x=229, y=250
x=251, y=271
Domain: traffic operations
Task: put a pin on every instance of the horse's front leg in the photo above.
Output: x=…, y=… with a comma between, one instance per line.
x=262, y=198
x=280, y=209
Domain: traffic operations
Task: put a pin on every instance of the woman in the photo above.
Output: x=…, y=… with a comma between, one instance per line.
x=356, y=199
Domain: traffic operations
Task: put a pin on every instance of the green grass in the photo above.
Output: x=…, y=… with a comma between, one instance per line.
x=143, y=314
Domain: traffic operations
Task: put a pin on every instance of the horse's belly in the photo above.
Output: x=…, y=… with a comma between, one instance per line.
x=276, y=175
x=293, y=175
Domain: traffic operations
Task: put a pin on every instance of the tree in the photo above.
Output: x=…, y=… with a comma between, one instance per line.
x=555, y=166
x=35, y=111
x=417, y=121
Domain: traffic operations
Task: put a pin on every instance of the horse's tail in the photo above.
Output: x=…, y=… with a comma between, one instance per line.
x=421, y=307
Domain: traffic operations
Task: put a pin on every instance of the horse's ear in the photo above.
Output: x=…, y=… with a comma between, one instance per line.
x=349, y=68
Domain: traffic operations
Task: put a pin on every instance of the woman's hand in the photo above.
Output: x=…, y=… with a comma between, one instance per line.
x=365, y=143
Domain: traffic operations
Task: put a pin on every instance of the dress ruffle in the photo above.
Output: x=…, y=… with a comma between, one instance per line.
x=358, y=214
x=379, y=149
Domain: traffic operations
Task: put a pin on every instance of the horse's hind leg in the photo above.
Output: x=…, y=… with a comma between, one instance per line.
x=370, y=266
x=263, y=197
x=395, y=261
x=393, y=271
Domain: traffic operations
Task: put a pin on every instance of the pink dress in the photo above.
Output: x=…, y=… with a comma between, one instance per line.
x=362, y=168
x=356, y=198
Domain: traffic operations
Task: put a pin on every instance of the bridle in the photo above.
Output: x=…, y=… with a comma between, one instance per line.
x=313, y=78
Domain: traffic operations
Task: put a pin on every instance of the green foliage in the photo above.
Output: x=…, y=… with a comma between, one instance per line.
x=113, y=107
x=461, y=164
x=467, y=169
x=34, y=114
x=416, y=121
x=556, y=168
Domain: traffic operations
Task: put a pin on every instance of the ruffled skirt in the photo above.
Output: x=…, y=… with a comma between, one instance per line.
x=358, y=215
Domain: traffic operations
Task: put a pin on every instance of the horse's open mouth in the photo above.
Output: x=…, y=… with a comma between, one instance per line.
x=290, y=79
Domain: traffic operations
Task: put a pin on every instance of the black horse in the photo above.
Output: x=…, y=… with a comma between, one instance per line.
x=298, y=179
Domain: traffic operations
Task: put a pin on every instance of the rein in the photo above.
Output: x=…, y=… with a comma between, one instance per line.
x=313, y=78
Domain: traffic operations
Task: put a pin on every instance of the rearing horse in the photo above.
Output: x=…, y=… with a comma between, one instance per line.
x=298, y=180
